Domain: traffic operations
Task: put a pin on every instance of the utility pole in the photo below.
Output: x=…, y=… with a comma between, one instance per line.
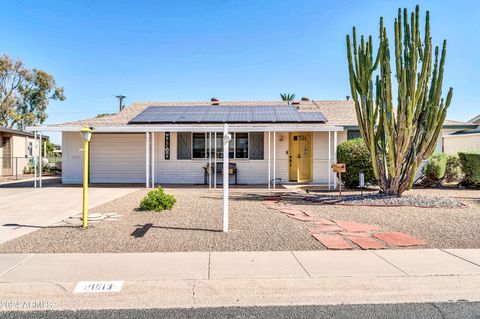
x=120, y=98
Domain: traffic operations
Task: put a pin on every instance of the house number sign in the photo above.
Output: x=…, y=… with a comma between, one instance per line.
x=167, y=145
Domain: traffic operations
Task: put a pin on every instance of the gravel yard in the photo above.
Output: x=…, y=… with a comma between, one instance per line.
x=195, y=224
x=377, y=199
x=440, y=227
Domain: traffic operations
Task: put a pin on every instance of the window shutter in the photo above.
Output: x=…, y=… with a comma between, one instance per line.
x=184, y=145
x=256, y=145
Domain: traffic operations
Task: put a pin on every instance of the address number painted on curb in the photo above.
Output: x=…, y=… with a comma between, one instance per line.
x=98, y=286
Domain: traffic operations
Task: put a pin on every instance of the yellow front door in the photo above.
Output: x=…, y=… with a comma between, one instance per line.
x=300, y=157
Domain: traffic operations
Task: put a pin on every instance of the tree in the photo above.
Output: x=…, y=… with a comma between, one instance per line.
x=398, y=138
x=50, y=148
x=287, y=97
x=25, y=94
x=104, y=114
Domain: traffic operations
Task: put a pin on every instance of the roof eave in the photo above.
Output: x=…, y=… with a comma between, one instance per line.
x=197, y=127
x=465, y=126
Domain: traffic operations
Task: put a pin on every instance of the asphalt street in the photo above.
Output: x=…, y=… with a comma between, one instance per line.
x=457, y=310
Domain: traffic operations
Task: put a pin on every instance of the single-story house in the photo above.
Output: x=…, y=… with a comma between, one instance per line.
x=463, y=140
x=175, y=142
x=17, y=148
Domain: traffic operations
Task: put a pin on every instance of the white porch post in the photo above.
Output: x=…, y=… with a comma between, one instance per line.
x=226, y=139
x=269, y=159
x=215, y=161
x=329, y=159
x=153, y=160
x=274, y=159
x=210, y=160
x=34, y=159
x=335, y=182
x=147, y=166
x=40, y=160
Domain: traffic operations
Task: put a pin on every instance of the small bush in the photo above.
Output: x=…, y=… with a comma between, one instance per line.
x=434, y=170
x=157, y=200
x=453, y=169
x=355, y=155
x=470, y=162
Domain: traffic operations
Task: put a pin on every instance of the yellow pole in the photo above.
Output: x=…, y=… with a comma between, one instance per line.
x=85, y=185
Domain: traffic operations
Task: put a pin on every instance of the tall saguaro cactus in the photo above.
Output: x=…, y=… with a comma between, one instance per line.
x=398, y=135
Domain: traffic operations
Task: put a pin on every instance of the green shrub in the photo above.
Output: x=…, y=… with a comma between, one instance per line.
x=355, y=155
x=157, y=200
x=453, y=169
x=470, y=162
x=435, y=168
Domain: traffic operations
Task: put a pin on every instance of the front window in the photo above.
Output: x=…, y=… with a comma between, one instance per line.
x=198, y=143
x=238, y=148
x=220, y=146
x=241, y=145
x=352, y=134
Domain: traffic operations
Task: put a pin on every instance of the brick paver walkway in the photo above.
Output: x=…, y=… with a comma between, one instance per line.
x=399, y=239
x=334, y=242
x=341, y=234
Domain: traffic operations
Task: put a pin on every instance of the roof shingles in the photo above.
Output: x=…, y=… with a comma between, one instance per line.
x=337, y=112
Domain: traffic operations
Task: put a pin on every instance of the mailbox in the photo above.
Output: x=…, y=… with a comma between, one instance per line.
x=339, y=168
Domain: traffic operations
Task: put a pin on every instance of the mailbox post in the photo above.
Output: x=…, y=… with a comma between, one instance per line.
x=339, y=168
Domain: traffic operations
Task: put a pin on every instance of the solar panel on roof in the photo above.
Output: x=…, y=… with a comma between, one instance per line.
x=241, y=117
x=264, y=117
x=226, y=114
x=311, y=116
x=286, y=117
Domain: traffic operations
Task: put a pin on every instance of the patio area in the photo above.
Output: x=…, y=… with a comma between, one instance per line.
x=195, y=224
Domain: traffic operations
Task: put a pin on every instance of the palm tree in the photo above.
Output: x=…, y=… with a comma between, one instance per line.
x=287, y=97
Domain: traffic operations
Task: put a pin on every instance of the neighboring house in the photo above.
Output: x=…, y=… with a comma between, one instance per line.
x=17, y=148
x=463, y=140
x=170, y=142
x=475, y=120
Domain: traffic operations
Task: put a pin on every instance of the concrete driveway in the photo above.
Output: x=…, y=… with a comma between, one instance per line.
x=26, y=209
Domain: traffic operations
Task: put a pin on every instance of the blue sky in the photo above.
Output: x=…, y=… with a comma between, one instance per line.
x=233, y=50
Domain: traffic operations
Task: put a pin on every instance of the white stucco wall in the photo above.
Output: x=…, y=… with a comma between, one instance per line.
x=72, y=158
x=461, y=143
x=120, y=158
x=249, y=171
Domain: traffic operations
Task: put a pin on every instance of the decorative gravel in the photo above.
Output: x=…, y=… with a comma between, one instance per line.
x=445, y=228
x=195, y=223
x=378, y=199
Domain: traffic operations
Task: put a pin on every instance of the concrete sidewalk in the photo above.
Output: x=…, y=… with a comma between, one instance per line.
x=23, y=209
x=203, y=279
